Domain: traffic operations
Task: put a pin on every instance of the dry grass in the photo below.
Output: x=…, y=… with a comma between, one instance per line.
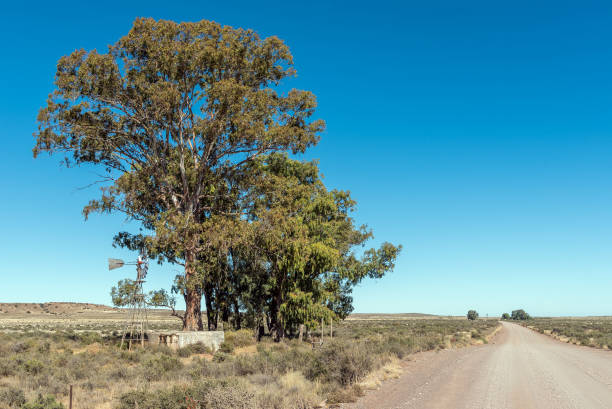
x=40, y=356
x=391, y=370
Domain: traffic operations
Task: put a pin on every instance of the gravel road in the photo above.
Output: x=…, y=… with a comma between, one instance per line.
x=519, y=369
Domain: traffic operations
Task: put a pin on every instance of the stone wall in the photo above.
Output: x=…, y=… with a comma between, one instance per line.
x=180, y=339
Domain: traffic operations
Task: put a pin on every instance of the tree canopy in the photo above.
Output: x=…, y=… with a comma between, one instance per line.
x=520, y=315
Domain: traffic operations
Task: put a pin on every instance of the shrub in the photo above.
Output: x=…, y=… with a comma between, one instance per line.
x=343, y=364
x=47, y=402
x=130, y=356
x=132, y=400
x=88, y=338
x=220, y=356
x=156, y=368
x=226, y=348
x=8, y=367
x=165, y=363
x=197, y=348
x=33, y=366
x=20, y=347
x=229, y=396
x=45, y=347
x=14, y=398
x=208, y=395
x=472, y=315
x=505, y=316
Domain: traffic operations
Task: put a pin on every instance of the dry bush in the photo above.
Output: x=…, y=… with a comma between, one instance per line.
x=291, y=391
x=343, y=395
x=11, y=397
x=206, y=395
x=197, y=348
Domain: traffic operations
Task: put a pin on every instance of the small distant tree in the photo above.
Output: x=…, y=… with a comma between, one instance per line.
x=520, y=315
x=472, y=315
x=505, y=316
x=125, y=292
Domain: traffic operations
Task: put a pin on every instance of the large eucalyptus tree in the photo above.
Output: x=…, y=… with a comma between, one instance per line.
x=173, y=114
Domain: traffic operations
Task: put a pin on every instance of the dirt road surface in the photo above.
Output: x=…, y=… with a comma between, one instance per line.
x=519, y=369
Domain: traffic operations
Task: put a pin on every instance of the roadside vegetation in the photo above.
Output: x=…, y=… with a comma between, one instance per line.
x=517, y=315
x=594, y=332
x=36, y=367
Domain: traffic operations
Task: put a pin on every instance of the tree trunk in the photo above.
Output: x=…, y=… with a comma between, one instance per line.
x=267, y=323
x=261, y=330
x=193, y=298
x=276, y=326
x=210, y=313
x=278, y=331
x=225, y=314
x=237, y=320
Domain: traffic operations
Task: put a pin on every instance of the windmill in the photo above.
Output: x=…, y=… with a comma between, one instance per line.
x=136, y=323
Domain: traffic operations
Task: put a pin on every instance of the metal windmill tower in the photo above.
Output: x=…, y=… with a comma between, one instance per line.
x=136, y=324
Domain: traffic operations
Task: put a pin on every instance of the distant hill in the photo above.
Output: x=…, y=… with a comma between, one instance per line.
x=73, y=308
x=52, y=308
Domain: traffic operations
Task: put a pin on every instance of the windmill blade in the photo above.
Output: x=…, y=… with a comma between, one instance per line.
x=114, y=263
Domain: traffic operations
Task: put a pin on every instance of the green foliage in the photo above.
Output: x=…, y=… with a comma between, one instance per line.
x=237, y=339
x=33, y=366
x=126, y=291
x=123, y=294
x=505, y=316
x=472, y=315
x=161, y=298
x=306, y=236
x=520, y=315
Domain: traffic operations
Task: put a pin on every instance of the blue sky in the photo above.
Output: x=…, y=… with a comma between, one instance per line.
x=478, y=135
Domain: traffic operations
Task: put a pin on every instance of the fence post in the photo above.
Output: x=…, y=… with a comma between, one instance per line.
x=321, y=330
x=70, y=406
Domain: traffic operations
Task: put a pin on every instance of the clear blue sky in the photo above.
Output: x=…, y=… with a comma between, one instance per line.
x=476, y=134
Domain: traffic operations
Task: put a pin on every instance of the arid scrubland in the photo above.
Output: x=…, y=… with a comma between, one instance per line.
x=590, y=331
x=38, y=363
